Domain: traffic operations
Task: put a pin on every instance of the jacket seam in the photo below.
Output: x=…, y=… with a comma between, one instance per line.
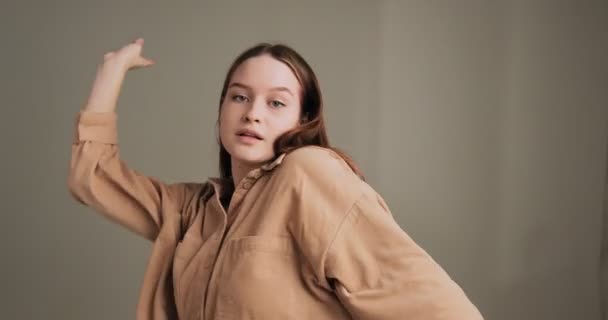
x=338, y=229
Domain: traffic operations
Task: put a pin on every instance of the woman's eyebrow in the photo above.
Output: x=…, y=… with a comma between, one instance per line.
x=244, y=86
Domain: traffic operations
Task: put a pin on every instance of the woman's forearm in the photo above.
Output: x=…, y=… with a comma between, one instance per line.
x=111, y=73
x=106, y=87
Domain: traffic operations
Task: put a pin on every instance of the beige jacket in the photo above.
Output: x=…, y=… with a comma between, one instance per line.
x=303, y=238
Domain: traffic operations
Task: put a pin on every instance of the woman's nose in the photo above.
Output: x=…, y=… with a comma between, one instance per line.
x=254, y=112
x=248, y=118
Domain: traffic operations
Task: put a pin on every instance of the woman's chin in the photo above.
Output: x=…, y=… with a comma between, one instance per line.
x=250, y=156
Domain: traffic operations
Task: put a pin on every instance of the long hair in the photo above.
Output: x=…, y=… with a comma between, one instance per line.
x=311, y=132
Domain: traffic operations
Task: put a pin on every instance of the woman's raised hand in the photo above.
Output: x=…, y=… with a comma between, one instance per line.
x=129, y=56
x=111, y=73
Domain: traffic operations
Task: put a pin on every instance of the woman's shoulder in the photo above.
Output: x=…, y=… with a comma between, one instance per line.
x=312, y=169
x=315, y=159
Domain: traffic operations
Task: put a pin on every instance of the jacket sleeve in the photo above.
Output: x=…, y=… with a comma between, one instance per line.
x=100, y=179
x=357, y=250
x=378, y=272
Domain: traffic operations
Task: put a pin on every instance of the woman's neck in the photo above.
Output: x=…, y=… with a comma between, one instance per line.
x=240, y=170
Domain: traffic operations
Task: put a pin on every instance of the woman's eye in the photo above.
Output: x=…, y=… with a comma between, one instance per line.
x=277, y=104
x=239, y=98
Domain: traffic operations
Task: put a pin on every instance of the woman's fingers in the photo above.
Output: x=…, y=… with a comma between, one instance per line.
x=144, y=62
x=130, y=55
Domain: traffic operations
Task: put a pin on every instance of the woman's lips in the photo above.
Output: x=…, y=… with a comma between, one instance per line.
x=248, y=139
x=249, y=132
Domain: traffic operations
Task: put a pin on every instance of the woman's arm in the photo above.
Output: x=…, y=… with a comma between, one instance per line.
x=358, y=251
x=378, y=272
x=99, y=178
x=111, y=74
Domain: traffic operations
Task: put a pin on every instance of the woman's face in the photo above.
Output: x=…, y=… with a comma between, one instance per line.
x=261, y=103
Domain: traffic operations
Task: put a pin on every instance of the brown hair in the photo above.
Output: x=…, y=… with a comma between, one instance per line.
x=312, y=131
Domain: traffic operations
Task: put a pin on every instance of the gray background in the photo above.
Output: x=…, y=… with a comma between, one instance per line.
x=482, y=123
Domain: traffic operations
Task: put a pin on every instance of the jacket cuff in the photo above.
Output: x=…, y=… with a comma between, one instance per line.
x=96, y=126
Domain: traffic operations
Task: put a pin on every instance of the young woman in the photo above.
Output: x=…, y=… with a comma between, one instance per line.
x=289, y=230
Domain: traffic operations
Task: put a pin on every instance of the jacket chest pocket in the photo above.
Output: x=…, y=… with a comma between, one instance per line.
x=259, y=279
